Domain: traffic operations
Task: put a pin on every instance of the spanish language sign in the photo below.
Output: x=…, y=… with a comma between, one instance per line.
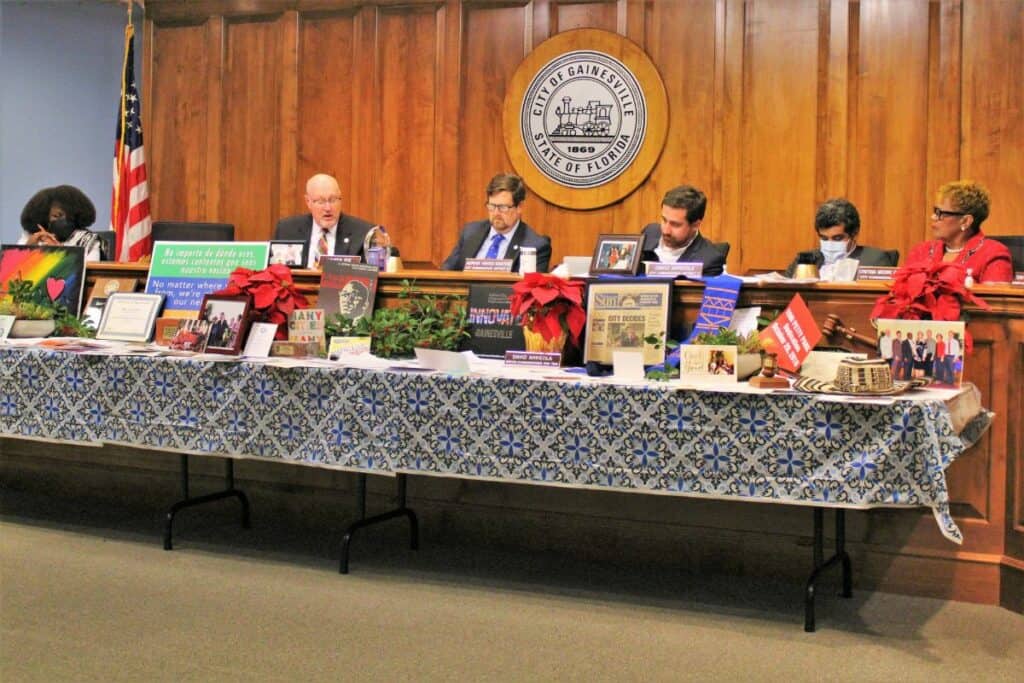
x=185, y=271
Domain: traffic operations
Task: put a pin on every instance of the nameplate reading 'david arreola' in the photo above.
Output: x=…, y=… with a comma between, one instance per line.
x=543, y=359
x=687, y=269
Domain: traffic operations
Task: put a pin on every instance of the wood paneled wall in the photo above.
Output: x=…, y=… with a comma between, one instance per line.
x=775, y=105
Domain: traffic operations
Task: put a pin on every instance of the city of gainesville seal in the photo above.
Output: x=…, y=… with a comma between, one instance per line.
x=583, y=118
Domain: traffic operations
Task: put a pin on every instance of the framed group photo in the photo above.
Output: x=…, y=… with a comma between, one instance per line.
x=616, y=254
x=228, y=317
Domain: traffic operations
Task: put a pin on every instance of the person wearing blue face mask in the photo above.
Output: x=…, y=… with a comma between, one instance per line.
x=60, y=216
x=838, y=224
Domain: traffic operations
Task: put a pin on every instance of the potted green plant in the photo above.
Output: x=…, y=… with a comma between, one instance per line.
x=551, y=310
x=35, y=318
x=423, y=320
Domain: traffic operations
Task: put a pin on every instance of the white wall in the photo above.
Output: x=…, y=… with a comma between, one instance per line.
x=60, y=71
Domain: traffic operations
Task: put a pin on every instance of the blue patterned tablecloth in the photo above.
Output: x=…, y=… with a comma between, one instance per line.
x=788, y=448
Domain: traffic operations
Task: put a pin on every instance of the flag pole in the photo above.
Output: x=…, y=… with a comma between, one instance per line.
x=116, y=219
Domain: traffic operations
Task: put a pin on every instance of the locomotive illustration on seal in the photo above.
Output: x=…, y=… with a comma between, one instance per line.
x=592, y=122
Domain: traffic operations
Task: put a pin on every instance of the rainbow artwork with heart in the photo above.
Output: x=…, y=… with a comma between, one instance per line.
x=57, y=273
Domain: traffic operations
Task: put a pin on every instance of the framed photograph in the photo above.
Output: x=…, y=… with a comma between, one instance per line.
x=291, y=253
x=189, y=334
x=923, y=349
x=617, y=254
x=229, y=321
x=621, y=313
x=129, y=317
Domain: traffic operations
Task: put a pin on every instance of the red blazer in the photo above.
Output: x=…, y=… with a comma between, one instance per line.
x=988, y=259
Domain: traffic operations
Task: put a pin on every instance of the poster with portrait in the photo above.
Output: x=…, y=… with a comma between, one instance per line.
x=923, y=349
x=348, y=289
x=620, y=314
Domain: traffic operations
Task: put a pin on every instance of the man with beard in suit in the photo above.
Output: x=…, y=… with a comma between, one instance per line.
x=677, y=237
x=504, y=233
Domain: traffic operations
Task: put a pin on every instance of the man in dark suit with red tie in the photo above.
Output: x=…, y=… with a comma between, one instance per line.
x=324, y=229
x=503, y=234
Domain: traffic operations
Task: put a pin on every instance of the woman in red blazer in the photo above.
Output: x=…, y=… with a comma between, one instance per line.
x=960, y=209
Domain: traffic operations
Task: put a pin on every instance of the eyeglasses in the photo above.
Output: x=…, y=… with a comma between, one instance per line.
x=502, y=208
x=324, y=201
x=938, y=214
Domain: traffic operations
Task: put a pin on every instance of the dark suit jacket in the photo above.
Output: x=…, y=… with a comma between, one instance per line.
x=701, y=249
x=472, y=238
x=348, y=240
x=868, y=256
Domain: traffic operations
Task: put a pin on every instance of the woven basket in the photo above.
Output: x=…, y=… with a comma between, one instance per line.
x=863, y=376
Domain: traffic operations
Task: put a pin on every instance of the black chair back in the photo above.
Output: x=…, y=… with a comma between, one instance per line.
x=107, y=247
x=723, y=247
x=1015, y=243
x=182, y=231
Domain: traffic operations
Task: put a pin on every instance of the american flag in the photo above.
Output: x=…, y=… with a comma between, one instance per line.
x=129, y=211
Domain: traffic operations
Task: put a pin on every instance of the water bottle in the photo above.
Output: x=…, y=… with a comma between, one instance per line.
x=528, y=260
x=377, y=247
x=969, y=279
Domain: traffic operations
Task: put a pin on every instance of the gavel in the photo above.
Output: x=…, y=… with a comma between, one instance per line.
x=833, y=325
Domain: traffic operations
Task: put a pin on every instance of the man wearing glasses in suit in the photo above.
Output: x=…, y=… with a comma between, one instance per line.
x=325, y=229
x=503, y=234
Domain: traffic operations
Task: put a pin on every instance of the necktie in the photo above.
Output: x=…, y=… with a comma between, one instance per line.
x=492, y=251
x=321, y=246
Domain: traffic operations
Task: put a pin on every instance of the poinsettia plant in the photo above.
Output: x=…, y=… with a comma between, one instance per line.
x=927, y=291
x=273, y=293
x=550, y=305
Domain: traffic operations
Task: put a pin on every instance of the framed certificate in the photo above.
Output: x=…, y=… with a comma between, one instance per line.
x=130, y=317
x=620, y=314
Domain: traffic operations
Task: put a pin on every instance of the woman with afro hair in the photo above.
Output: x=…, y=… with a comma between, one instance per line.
x=61, y=215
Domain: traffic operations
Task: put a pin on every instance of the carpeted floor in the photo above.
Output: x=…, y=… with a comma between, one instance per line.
x=88, y=594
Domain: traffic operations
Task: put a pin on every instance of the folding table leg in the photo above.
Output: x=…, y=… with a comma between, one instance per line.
x=186, y=502
x=400, y=511
x=820, y=564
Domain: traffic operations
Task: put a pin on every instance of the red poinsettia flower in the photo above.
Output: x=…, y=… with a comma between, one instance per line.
x=927, y=291
x=550, y=305
x=273, y=294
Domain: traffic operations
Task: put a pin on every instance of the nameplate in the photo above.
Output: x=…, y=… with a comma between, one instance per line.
x=1018, y=279
x=539, y=359
x=875, y=273
x=295, y=349
x=489, y=265
x=344, y=258
x=688, y=269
